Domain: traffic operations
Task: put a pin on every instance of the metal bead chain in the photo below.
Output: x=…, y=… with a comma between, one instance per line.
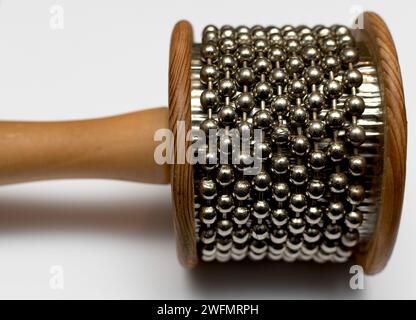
x=299, y=86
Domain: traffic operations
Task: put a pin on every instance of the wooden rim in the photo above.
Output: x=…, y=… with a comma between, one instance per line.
x=376, y=253
x=182, y=177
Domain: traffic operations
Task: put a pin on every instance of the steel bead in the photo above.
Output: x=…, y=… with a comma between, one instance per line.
x=353, y=219
x=281, y=191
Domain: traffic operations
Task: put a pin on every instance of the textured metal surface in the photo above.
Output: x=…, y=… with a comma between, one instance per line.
x=371, y=120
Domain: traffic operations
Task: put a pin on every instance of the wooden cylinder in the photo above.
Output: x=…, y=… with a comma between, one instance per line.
x=374, y=255
x=119, y=147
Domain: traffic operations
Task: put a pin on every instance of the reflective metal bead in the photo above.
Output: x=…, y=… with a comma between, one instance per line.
x=279, y=164
x=331, y=63
x=308, y=40
x=310, y=53
x=296, y=225
x=328, y=246
x=227, y=87
x=298, y=202
x=261, y=45
x=262, y=119
x=209, y=99
x=353, y=219
x=280, y=105
x=240, y=236
x=281, y=191
x=312, y=234
x=259, y=232
x=352, y=78
x=258, y=247
x=336, y=151
x=313, y=215
x=227, y=116
x=208, y=215
x=294, y=65
x=225, y=203
x=315, y=101
x=263, y=151
x=298, y=175
x=315, y=189
x=209, y=249
x=279, y=217
x=245, y=131
x=278, y=236
x=208, y=73
x=356, y=194
x=225, y=144
x=276, y=54
x=338, y=182
x=224, y=227
x=294, y=243
x=241, y=215
x=276, y=249
x=209, y=161
x=210, y=37
x=239, y=249
x=354, y=105
x=278, y=76
x=262, y=181
x=329, y=45
x=207, y=125
x=224, y=244
x=245, y=77
x=292, y=45
x=242, y=190
x=335, y=210
x=349, y=55
x=245, y=102
x=300, y=145
x=225, y=175
x=350, y=238
x=227, y=62
x=335, y=119
x=207, y=236
x=227, y=45
x=297, y=88
x=223, y=256
x=333, y=89
x=346, y=41
x=263, y=91
x=355, y=135
x=280, y=135
x=276, y=39
x=309, y=248
x=245, y=53
x=227, y=31
x=209, y=28
x=299, y=116
x=357, y=165
x=317, y=160
x=261, y=209
x=262, y=65
x=333, y=231
x=207, y=188
x=209, y=51
x=315, y=130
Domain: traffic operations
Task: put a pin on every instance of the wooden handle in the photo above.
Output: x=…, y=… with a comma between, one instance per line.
x=119, y=147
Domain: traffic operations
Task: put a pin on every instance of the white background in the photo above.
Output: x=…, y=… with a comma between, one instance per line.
x=115, y=239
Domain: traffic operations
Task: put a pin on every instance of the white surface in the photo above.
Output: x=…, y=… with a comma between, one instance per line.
x=114, y=239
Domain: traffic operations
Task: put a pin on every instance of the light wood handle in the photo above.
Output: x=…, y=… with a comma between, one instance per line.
x=119, y=147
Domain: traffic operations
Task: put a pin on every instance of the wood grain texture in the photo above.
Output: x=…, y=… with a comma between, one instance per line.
x=119, y=147
x=376, y=254
x=182, y=178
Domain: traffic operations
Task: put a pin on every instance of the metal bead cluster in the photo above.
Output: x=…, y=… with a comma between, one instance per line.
x=300, y=86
